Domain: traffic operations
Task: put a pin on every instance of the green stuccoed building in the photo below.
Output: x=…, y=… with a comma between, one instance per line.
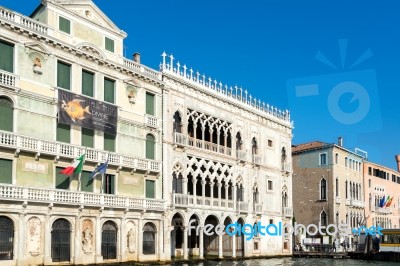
x=179, y=148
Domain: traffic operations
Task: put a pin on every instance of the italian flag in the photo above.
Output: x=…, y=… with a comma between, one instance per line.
x=75, y=167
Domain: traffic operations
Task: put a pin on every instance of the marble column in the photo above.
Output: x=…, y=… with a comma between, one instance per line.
x=47, y=240
x=21, y=237
x=201, y=243
x=77, y=239
x=220, y=250
x=219, y=194
x=99, y=257
x=185, y=243
x=203, y=191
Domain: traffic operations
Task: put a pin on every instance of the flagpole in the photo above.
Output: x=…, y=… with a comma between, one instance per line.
x=80, y=174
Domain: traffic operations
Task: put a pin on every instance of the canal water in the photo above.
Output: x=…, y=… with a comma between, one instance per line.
x=290, y=262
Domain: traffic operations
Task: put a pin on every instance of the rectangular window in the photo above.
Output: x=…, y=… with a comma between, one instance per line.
x=64, y=25
x=336, y=158
x=6, y=57
x=109, y=184
x=269, y=143
x=322, y=159
x=109, y=142
x=63, y=75
x=369, y=182
x=109, y=90
x=150, y=193
x=270, y=185
x=6, y=168
x=87, y=137
x=109, y=45
x=255, y=245
x=149, y=104
x=86, y=182
x=62, y=181
x=64, y=133
x=87, y=83
x=271, y=221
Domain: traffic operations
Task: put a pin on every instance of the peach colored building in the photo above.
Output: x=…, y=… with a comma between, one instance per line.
x=382, y=182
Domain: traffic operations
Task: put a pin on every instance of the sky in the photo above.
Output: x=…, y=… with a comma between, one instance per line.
x=334, y=64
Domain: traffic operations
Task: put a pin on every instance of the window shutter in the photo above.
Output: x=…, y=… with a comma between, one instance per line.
x=149, y=104
x=109, y=184
x=150, y=145
x=63, y=75
x=86, y=182
x=87, y=83
x=6, y=117
x=150, y=189
x=6, y=57
x=62, y=181
x=88, y=137
x=109, y=87
x=6, y=171
x=64, y=25
x=109, y=44
x=63, y=133
x=109, y=142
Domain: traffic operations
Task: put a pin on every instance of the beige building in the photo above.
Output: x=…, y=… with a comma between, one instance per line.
x=382, y=182
x=327, y=184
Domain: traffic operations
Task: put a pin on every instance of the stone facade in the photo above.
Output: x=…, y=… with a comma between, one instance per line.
x=185, y=149
x=328, y=185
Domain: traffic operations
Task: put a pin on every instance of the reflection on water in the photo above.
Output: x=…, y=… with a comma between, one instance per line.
x=290, y=262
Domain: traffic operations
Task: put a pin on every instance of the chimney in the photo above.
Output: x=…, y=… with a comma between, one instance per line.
x=398, y=162
x=136, y=57
x=340, y=141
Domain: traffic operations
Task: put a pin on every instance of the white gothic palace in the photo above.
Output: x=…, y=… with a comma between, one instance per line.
x=184, y=151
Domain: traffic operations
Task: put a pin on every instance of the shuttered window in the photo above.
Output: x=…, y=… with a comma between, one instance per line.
x=150, y=147
x=109, y=142
x=64, y=25
x=109, y=45
x=87, y=137
x=7, y=114
x=86, y=182
x=109, y=184
x=150, y=193
x=87, y=83
x=6, y=171
x=63, y=133
x=63, y=75
x=109, y=88
x=6, y=57
x=149, y=104
x=62, y=181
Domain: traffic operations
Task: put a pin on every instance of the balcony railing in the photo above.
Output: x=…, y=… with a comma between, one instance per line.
x=60, y=149
x=257, y=159
x=242, y=206
x=337, y=200
x=184, y=200
x=201, y=144
x=7, y=78
x=241, y=155
x=287, y=211
x=257, y=207
x=151, y=121
x=142, y=69
x=357, y=203
x=68, y=197
x=382, y=210
x=23, y=21
x=287, y=167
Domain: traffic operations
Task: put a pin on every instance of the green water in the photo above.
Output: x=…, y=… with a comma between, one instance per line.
x=291, y=261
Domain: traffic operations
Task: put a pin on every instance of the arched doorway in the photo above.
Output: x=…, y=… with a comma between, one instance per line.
x=211, y=243
x=6, y=238
x=193, y=237
x=109, y=240
x=177, y=236
x=227, y=240
x=61, y=240
x=149, y=239
x=240, y=241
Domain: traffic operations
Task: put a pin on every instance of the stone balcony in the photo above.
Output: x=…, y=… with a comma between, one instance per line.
x=287, y=212
x=287, y=167
x=337, y=200
x=77, y=198
x=241, y=155
x=257, y=208
x=151, y=121
x=184, y=140
x=57, y=149
x=256, y=159
x=382, y=210
x=356, y=203
x=8, y=79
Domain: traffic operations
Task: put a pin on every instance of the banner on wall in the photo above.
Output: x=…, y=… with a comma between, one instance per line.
x=78, y=110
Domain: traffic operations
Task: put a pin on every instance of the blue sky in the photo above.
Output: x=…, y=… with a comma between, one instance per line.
x=270, y=47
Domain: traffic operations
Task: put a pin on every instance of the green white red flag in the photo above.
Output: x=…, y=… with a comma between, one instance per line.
x=75, y=167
